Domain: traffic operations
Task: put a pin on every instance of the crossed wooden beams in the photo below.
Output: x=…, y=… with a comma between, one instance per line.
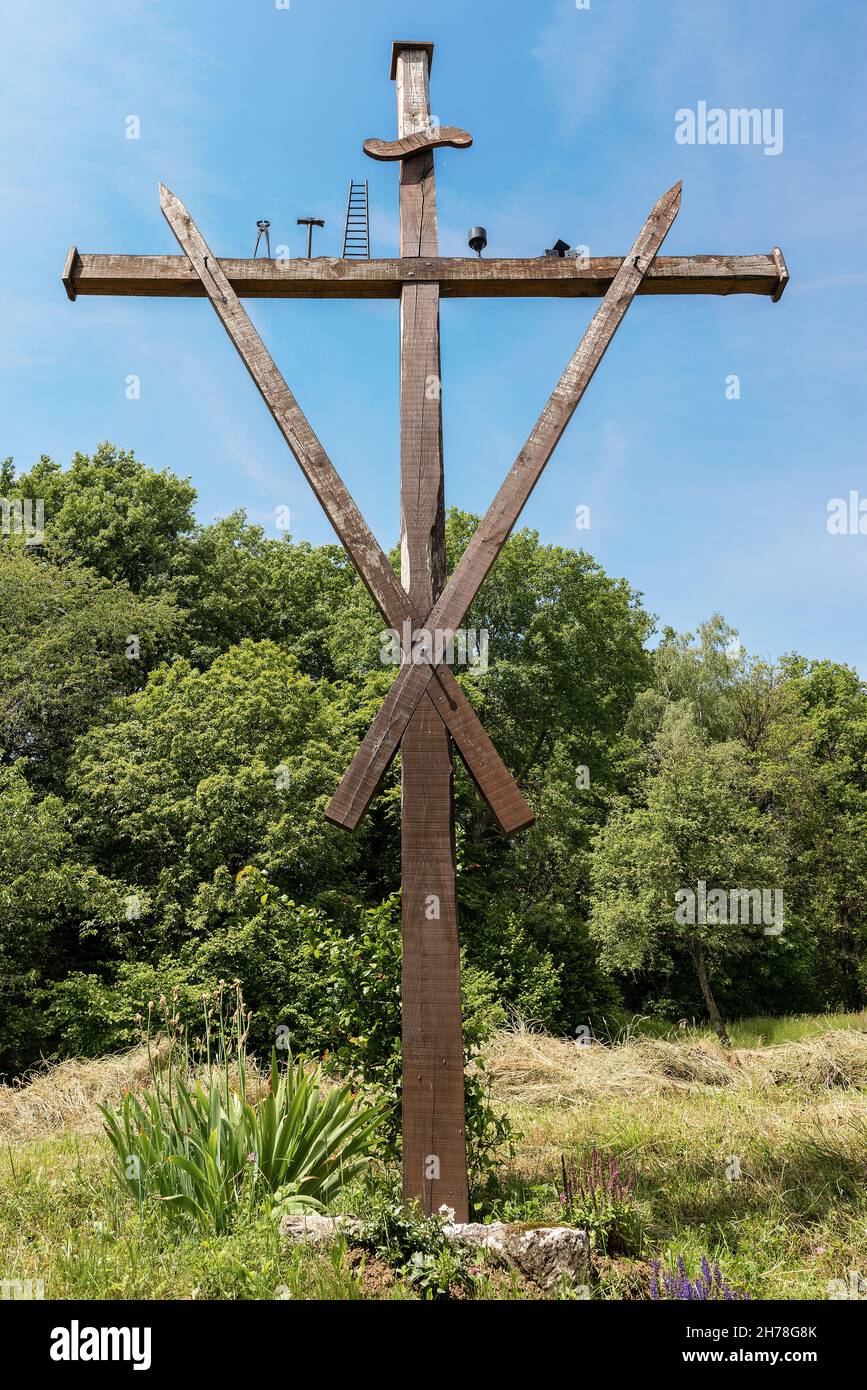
x=488, y=771
x=417, y=677
x=425, y=708
x=425, y=703
x=382, y=739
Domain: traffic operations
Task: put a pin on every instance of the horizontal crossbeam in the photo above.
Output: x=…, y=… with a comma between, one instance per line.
x=469, y=277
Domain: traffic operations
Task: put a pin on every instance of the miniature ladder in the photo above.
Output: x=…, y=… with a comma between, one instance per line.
x=356, y=235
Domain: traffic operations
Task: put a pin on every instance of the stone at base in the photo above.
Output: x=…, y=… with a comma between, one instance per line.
x=314, y=1229
x=541, y=1253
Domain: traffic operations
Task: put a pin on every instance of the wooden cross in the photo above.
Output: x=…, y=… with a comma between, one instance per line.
x=425, y=711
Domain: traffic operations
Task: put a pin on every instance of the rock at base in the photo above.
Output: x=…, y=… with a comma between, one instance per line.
x=313, y=1229
x=541, y=1253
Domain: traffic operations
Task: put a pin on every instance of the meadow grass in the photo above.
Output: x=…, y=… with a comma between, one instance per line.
x=64, y=1220
x=757, y=1159
x=757, y=1031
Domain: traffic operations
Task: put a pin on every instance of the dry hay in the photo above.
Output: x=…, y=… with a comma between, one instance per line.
x=835, y=1058
x=532, y=1068
x=62, y=1097
x=525, y=1067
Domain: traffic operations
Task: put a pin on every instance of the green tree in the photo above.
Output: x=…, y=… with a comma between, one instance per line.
x=50, y=905
x=699, y=822
x=698, y=668
x=235, y=582
x=69, y=642
x=566, y=662
x=826, y=803
x=110, y=512
x=219, y=769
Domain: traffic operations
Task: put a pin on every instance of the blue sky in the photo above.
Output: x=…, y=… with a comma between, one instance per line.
x=247, y=111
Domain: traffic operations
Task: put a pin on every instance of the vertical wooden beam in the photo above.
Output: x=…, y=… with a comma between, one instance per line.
x=434, y=1135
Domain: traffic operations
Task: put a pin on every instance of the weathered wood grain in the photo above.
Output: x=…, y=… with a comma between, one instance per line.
x=73, y=260
x=782, y=271
x=398, y=47
x=381, y=741
x=434, y=1138
x=434, y=1141
x=487, y=769
x=326, y=277
x=419, y=142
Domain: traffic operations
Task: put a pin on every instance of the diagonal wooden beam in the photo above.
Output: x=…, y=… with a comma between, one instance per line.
x=452, y=705
x=459, y=277
x=380, y=743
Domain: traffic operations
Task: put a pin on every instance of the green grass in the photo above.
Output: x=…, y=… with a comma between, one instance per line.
x=794, y=1220
x=65, y=1220
x=759, y=1031
x=768, y=1032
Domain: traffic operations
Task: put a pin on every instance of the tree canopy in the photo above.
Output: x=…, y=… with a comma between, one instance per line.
x=178, y=702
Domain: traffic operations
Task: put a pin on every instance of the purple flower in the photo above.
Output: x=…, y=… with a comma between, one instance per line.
x=708, y=1285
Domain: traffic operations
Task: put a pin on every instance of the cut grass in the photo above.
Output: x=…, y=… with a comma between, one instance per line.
x=756, y=1158
x=678, y=1112
x=532, y=1067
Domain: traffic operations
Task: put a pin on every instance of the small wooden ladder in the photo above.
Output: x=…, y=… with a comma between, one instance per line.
x=356, y=234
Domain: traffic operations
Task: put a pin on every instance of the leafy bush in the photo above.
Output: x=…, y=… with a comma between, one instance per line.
x=202, y=1148
x=416, y=1246
x=347, y=995
x=318, y=987
x=48, y=899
